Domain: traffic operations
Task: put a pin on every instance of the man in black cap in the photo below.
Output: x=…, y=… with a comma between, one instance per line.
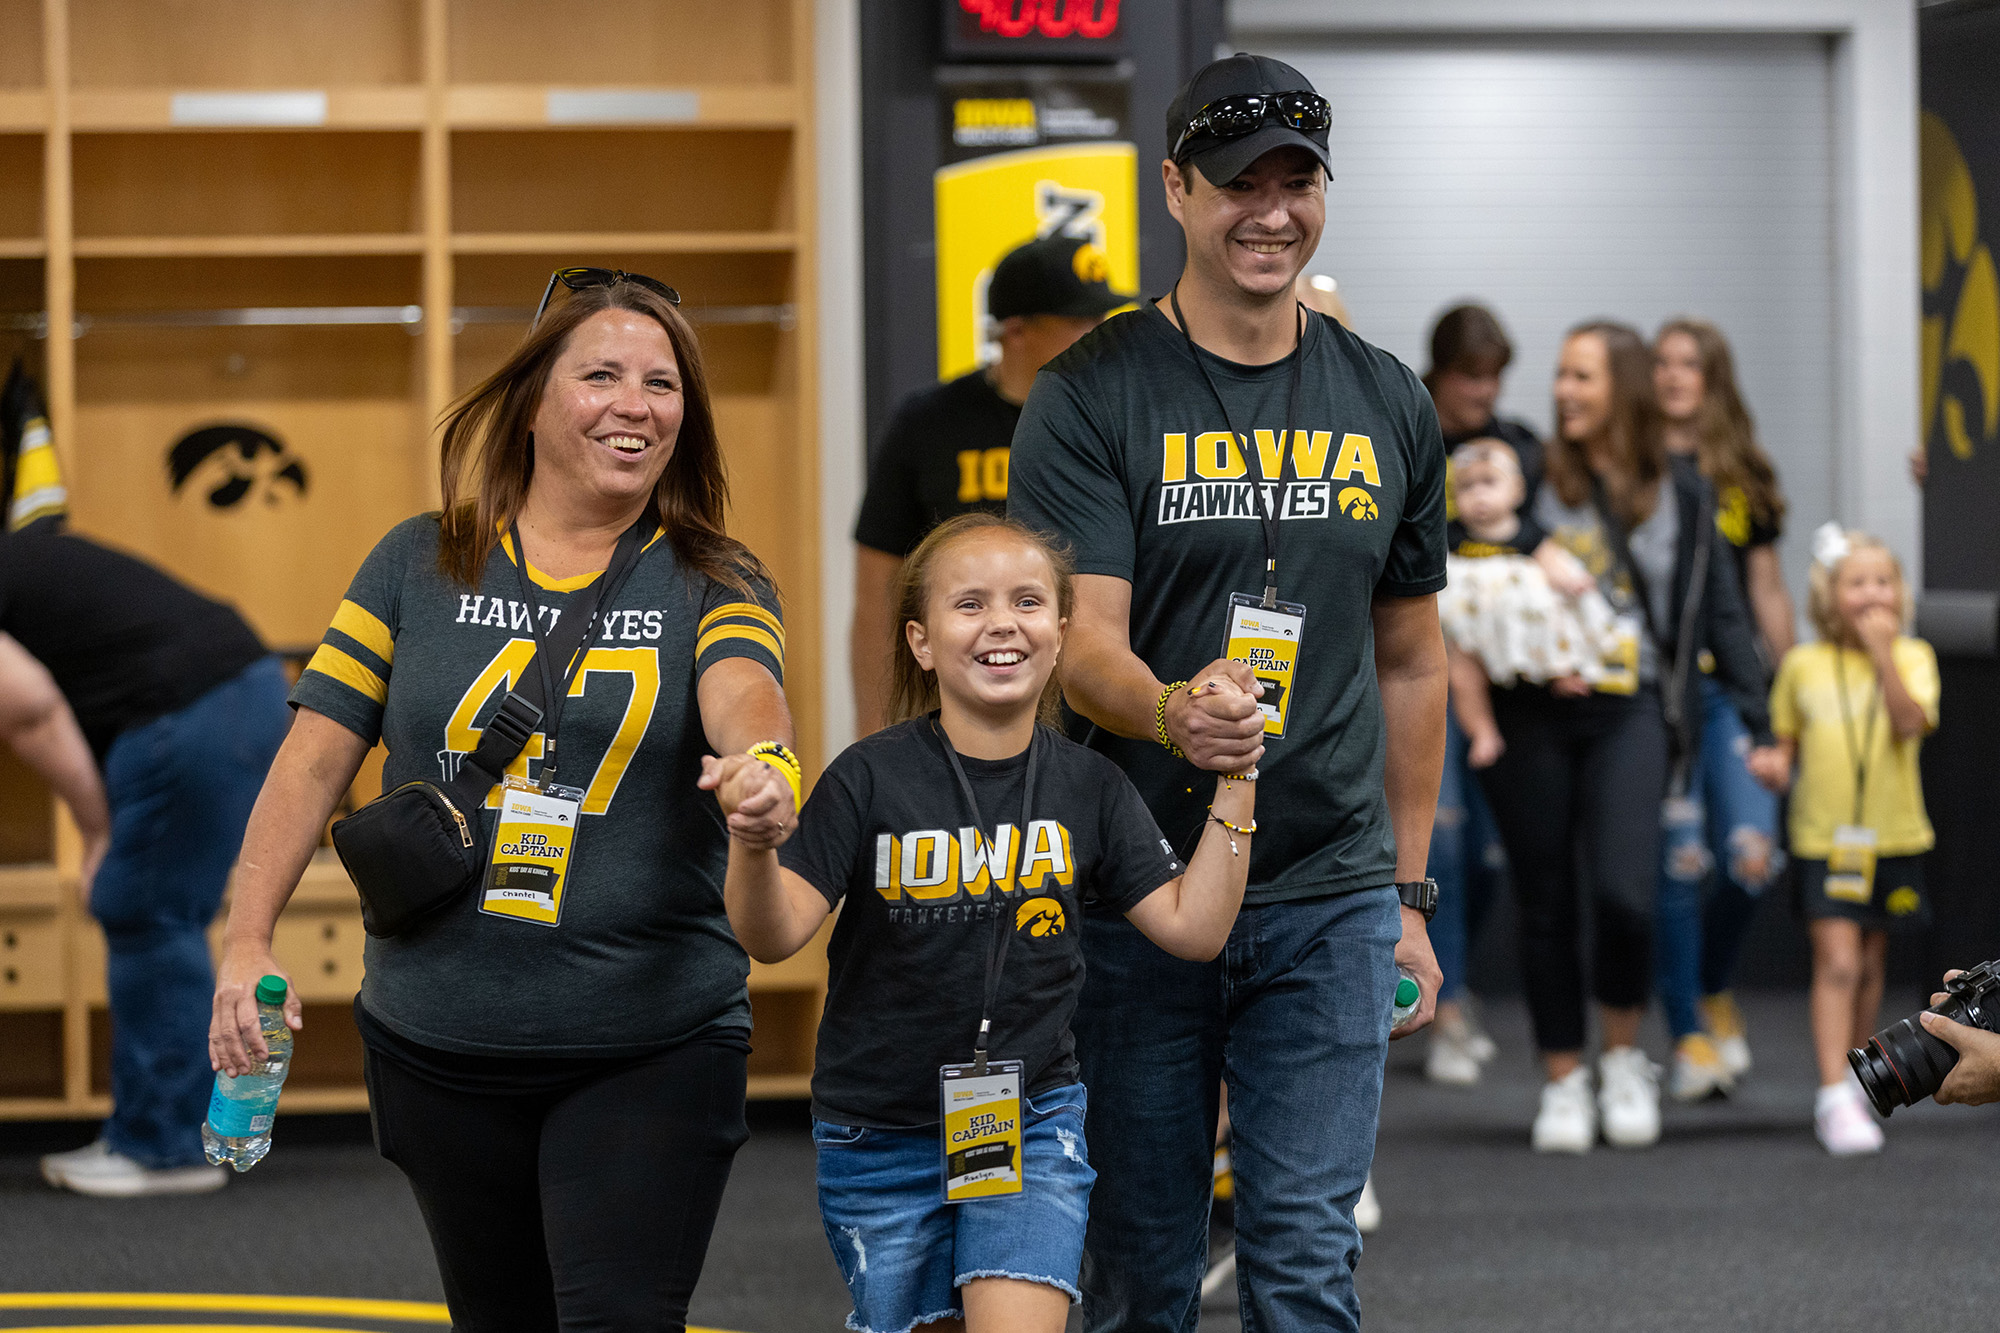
x=946, y=449
x=1251, y=491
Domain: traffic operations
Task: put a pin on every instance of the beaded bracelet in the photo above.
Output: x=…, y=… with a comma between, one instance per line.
x=778, y=756
x=1160, y=720
x=1232, y=830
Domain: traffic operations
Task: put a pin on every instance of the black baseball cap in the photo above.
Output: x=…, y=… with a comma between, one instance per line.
x=1223, y=160
x=1053, y=275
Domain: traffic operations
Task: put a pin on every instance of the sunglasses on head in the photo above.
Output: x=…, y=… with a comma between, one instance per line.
x=576, y=279
x=1234, y=116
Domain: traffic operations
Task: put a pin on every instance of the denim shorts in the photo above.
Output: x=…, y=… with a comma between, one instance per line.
x=905, y=1252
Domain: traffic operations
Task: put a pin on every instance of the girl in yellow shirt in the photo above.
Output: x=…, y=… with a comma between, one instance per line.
x=1851, y=710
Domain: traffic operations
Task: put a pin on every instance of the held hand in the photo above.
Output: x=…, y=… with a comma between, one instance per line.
x=235, y=1041
x=754, y=797
x=1569, y=687
x=1414, y=955
x=1219, y=727
x=1975, y=1079
x=1876, y=626
x=1484, y=749
x=1768, y=764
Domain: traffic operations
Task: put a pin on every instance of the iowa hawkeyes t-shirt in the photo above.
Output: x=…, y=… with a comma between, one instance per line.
x=887, y=829
x=1123, y=452
x=641, y=955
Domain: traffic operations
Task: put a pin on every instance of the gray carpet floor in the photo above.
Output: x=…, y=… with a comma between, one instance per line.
x=1736, y=1220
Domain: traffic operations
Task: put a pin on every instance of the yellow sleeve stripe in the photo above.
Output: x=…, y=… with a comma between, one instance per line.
x=745, y=611
x=750, y=632
x=330, y=661
x=358, y=623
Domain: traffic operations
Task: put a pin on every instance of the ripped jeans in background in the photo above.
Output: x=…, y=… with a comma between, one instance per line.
x=1718, y=853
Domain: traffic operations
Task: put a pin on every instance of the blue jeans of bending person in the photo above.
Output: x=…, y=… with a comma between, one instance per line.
x=1704, y=840
x=1295, y=1016
x=1465, y=861
x=180, y=789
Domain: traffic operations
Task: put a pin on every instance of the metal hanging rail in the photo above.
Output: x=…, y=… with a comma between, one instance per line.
x=410, y=317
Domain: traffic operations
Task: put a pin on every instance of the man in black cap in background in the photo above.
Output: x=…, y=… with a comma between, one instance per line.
x=1251, y=491
x=945, y=451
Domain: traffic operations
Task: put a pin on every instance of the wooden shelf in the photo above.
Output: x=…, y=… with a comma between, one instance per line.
x=24, y=110
x=773, y=1087
x=163, y=247
x=30, y=888
x=153, y=109
x=642, y=242
x=23, y=247
x=526, y=106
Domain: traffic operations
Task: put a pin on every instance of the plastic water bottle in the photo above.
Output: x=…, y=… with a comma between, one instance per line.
x=238, y=1129
x=1408, y=996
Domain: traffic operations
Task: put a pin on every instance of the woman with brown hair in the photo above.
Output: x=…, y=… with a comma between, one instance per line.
x=559, y=1071
x=1727, y=823
x=1580, y=784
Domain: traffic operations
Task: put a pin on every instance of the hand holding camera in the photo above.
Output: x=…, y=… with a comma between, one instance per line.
x=1950, y=1051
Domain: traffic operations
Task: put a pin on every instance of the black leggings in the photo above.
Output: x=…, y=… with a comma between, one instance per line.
x=1578, y=791
x=584, y=1208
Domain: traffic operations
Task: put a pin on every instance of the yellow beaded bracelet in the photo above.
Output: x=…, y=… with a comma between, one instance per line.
x=780, y=757
x=1160, y=720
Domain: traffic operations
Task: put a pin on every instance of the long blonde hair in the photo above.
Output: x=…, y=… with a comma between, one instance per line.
x=1725, y=437
x=913, y=691
x=488, y=456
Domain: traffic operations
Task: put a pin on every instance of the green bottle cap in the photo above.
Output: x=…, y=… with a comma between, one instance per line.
x=1406, y=993
x=271, y=990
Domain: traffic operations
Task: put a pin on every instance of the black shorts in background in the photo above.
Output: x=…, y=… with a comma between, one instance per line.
x=1897, y=903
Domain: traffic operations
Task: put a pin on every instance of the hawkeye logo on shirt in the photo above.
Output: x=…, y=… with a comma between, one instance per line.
x=1209, y=477
x=932, y=868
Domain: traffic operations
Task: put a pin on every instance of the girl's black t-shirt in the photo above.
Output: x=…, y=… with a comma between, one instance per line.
x=887, y=829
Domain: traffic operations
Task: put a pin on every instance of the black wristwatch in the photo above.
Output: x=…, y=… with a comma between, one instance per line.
x=1421, y=895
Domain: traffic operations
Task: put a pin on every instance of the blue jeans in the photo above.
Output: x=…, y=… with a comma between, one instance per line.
x=1465, y=860
x=904, y=1252
x=180, y=789
x=1295, y=1016
x=1725, y=813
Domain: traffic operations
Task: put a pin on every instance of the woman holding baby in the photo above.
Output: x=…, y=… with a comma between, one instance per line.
x=1585, y=760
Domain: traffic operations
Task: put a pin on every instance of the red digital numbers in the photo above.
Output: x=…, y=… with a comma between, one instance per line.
x=1045, y=18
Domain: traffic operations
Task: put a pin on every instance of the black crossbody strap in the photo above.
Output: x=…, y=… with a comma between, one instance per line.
x=1621, y=550
x=520, y=713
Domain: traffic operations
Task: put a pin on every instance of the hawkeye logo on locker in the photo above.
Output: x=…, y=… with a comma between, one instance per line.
x=1205, y=475
x=959, y=870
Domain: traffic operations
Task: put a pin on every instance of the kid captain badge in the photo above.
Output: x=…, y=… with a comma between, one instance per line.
x=982, y=1130
x=1267, y=637
x=533, y=846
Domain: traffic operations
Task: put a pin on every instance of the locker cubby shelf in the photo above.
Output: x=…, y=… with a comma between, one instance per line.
x=440, y=157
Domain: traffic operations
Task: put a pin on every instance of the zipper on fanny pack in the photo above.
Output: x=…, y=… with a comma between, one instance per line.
x=463, y=831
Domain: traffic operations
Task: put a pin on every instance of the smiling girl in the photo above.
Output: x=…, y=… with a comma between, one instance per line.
x=966, y=840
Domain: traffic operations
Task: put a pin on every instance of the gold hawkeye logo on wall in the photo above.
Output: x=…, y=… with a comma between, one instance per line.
x=1961, y=302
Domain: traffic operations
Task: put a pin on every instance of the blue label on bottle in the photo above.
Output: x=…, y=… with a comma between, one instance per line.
x=235, y=1118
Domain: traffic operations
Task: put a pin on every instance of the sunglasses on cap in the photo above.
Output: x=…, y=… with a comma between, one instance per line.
x=1234, y=116
x=576, y=279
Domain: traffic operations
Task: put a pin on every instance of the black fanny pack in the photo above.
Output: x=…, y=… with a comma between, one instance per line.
x=414, y=850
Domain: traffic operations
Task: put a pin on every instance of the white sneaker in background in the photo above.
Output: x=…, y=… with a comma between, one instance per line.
x=1725, y=1024
x=1567, y=1121
x=1628, y=1097
x=97, y=1171
x=1367, y=1209
x=1843, y=1122
x=1698, y=1070
x=1450, y=1059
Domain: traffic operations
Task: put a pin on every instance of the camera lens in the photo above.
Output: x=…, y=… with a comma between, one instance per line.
x=1903, y=1064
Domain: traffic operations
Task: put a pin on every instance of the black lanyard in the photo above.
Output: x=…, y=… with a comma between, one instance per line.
x=1855, y=748
x=996, y=951
x=1266, y=513
x=595, y=600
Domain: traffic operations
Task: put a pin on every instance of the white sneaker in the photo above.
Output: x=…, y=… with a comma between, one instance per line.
x=1477, y=1044
x=97, y=1171
x=1698, y=1071
x=1843, y=1122
x=1567, y=1121
x=1367, y=1209
x=1628, y=1097
x=1451, y=1059
x=1725, y=1024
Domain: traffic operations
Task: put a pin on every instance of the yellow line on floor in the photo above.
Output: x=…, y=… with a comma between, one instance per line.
x=415, y=1312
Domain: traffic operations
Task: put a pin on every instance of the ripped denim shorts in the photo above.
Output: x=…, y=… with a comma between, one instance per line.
x=905, y=1252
